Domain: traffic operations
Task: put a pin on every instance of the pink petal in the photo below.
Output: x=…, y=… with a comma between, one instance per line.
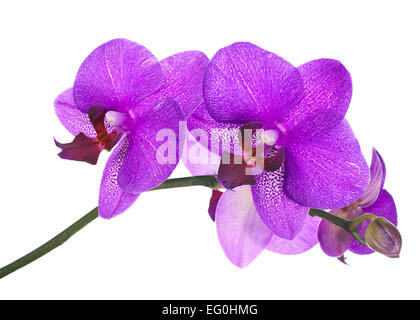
x=306, y=239
x=198, y=160
x=241, y=232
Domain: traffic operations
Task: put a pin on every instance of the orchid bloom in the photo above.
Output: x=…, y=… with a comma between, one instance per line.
x=303, y=109
x=243, y=235
x=241, y=232
x=335, y=241
x=122, y=97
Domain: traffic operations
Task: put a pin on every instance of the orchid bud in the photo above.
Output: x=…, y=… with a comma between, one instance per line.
x=383, y=237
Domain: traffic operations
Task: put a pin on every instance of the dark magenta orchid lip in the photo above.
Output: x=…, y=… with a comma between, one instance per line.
x=86, y=149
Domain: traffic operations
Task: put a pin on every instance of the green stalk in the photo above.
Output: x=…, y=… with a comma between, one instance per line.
x=205, y=181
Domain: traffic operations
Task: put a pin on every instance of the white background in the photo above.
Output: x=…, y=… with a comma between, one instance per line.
x=165, y=246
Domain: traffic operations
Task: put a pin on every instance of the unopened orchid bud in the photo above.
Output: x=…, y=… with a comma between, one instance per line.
x=383, y=237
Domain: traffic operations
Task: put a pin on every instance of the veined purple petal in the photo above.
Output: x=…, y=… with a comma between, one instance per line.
x=112, y=199
x=220, y=136
x=334, y=240
x=306, y=239
x=241, y=232
x=183, y=74
x=328, y=89
x=328, y=171
x=153, y=150
x=284, y=217
x=117, y=75
x=384, y=206
x=376, y=180
x=71, y=117
x=244, y=83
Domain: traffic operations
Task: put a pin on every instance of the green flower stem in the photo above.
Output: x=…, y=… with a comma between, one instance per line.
x=362, y=218
x=58, y=240
x=206, y=181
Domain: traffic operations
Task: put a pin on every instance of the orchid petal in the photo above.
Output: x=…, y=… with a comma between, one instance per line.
x=328, y=171
x=146, y=166
x=241, y=232
x=112, y=199
x=244, y=83
x=221, y=136
x=117, y=75
x=183, y=74
x=384, y=206
x=376, y=180
x=71, y=117
x=306, y=239
x=81, y=148
x=328, y=89
x=334, y=240
x=198, y=160
x=284, y=217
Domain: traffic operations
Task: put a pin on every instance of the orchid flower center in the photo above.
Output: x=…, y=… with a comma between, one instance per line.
x=270, y=137
x=86, y=149
x=260, y=149
x=115, y=119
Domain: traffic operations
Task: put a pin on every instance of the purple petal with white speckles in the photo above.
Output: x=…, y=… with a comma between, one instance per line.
x=384, y=206
x=71, y=117
x=328, y=89
x=306, y=239
x=245, y=83
x=241, y=232
x=376, y=180
x=112, y=199
x=220, y=136
x=117, y=75
x=284, y=217
x=149, y=162
x=328, y=171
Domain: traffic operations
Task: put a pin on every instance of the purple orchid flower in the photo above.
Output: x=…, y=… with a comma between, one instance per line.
x=241, y=232
x=334, y=240
x=304, y=109
x=243, y=235
x=123, y=96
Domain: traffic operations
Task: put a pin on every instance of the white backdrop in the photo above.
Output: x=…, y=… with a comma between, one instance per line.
x=165, y=246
